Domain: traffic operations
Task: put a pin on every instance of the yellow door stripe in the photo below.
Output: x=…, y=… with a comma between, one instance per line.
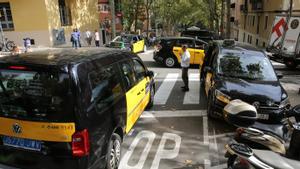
x=44, y=131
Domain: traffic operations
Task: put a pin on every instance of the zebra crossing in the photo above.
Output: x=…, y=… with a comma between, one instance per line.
x=167, y=85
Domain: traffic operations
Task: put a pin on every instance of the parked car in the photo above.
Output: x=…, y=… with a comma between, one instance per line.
x=70, y=109
x=233, y=70
x=134, y=43
x=168, y=50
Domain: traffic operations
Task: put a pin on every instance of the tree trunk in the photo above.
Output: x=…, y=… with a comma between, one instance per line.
x=211, y=15
x=228, y=32
x=137, y=4
x=222, y=19
x=147, y=17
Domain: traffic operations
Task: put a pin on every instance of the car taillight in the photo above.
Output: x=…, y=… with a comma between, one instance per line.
x=158, y=47
x=81, y=143
x=18, y=67
x=240, y=131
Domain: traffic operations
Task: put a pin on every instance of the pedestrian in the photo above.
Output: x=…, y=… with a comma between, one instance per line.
x=97, y=38
x=74, y=39
x=185, y=64
x=78, y=35
x=88, y=37
x=27, y=44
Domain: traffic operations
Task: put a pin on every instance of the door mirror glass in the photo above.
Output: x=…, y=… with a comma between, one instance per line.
x=279, y=75
x=150, y=73
x=207, y=69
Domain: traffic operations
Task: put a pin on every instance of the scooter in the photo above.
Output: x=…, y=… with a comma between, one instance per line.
x=242, y=156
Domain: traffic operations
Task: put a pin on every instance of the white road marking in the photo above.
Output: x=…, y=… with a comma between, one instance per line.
x=290, y=86
x=177, y=113
x=163, y=153
x=193, y=96
x=147, y=52
x=207, y=164
x=205, y=131
x=125, y=159
x=165, y=89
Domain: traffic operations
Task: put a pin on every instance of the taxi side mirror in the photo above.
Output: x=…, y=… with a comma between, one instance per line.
x=279, y=75
x=149, y=74
x=207, y=69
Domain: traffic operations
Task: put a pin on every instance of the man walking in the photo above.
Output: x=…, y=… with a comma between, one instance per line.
x=185, y=64
x=88, y=37
x=97, y=38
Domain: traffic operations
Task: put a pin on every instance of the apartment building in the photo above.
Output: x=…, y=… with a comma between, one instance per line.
x=253, y=19
x=47, y=22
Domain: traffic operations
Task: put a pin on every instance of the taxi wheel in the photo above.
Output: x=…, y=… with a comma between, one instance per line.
x=209, y=106
x=151, y=101
x=170, y=61
x=114, y=152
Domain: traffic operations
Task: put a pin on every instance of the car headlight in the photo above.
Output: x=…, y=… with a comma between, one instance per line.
x=284, y=103
x=222, y=97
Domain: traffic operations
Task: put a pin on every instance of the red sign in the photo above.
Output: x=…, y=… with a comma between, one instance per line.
x=280, y=23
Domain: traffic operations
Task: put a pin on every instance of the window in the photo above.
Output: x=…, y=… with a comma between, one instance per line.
x=199, y=45
x=253, y=20
x=139, y=70
x=6, y=16
x=106, y=87
x=128, y=74
x=188, y=42
x=256, y=43
x=65, y=13
x=104, y=8
x=244, y=36
x=266, y=22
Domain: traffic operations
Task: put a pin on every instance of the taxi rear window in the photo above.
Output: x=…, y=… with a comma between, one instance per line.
x=36, y=96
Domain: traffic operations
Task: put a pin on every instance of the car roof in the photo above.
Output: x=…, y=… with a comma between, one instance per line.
x=239, y=47
x=175, y=38
x=63, y=57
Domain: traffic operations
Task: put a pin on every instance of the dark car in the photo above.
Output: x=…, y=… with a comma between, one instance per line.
x=168, y=50
x=238, y=71
x=70, y=109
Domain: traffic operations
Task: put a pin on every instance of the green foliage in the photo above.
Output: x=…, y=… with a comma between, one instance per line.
x=176, y=12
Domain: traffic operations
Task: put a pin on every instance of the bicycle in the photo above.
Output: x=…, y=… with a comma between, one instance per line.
x=9, y=45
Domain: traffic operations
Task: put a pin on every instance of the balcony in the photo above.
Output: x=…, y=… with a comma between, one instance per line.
x=257, y=5
x=244, y=8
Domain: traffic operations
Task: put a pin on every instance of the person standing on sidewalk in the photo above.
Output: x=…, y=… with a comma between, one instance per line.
x=97, y=39
x=74, y=39
x=88, y=37
x=185, y=64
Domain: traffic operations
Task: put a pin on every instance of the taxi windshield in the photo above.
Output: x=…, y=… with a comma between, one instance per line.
x=246, y=67
x=40, y=96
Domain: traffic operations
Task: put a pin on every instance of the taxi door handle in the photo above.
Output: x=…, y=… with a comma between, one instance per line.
x=176, y=50
x=142, y=90
x=138, y=93
x=197, y=52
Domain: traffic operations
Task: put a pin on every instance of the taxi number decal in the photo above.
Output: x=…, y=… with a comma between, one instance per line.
x=44, y=131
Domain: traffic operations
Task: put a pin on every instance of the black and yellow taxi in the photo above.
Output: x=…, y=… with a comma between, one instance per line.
x=131, y=42
x=67, y=109
x=234, y=70
x=168, y=50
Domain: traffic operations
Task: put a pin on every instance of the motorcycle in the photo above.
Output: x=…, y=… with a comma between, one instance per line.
x=273, y=137
x=242, y=156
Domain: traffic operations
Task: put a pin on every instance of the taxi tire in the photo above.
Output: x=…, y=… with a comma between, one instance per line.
x=151, y=101
x=209, y=106
x=170, y=62
x=113, y=155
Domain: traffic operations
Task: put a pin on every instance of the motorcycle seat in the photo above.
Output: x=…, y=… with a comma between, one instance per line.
x=275, y=129
x=275, y=160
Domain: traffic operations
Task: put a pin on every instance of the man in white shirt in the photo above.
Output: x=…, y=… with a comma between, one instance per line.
x=88, y=37
x=185, y=64
x=97, y=38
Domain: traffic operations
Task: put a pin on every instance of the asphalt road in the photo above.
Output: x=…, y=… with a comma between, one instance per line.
x=176, y=133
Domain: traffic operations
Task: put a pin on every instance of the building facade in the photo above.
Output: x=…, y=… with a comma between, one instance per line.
x=47, y=22
x=255, y=19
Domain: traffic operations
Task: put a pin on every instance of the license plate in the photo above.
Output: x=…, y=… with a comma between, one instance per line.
x=22, y=143
x=263, y=116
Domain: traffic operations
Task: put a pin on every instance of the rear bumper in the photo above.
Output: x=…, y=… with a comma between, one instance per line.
x=22, y=159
